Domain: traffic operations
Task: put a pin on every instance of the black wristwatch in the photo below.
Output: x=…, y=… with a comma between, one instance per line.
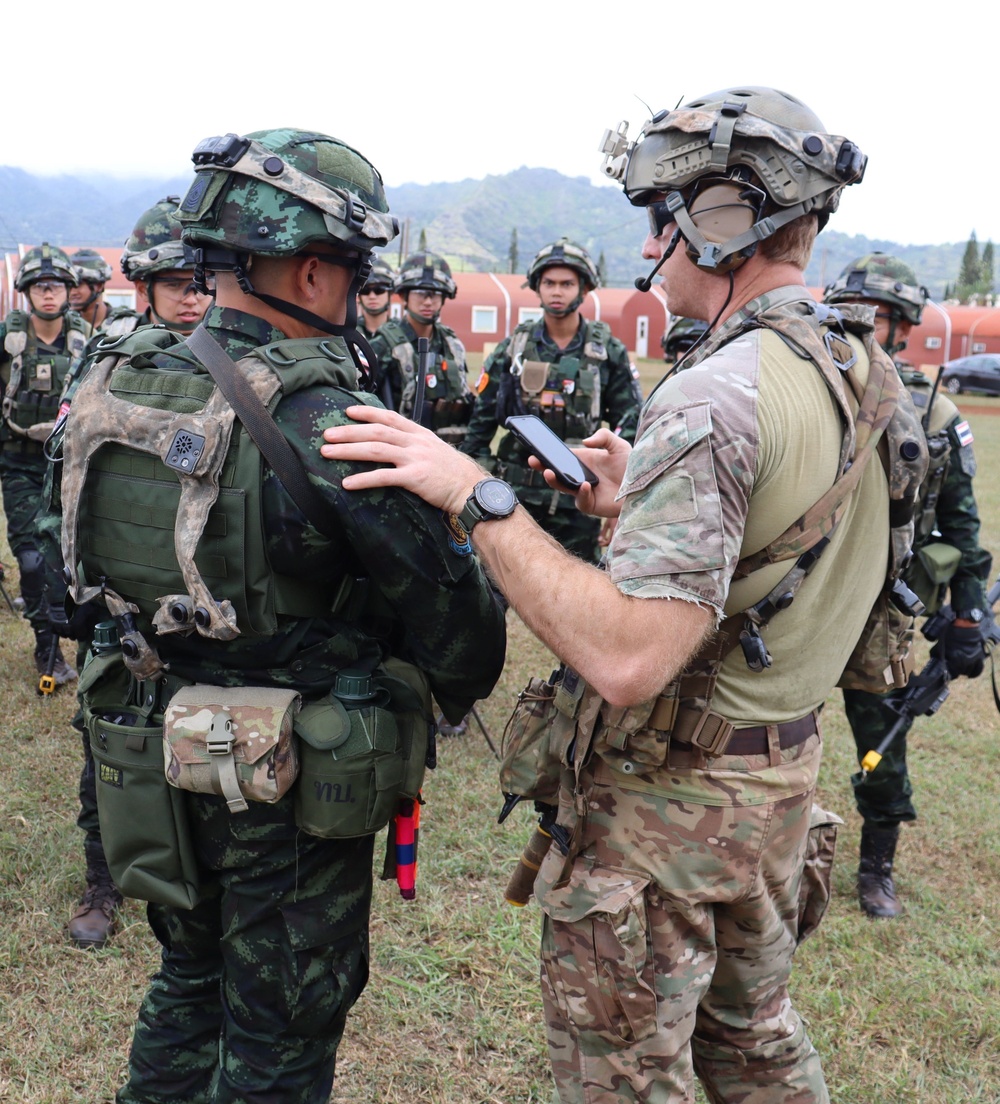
x=974, y=615
x=491, y=499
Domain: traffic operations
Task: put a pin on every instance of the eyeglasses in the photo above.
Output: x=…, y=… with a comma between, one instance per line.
x=176, y=289
x=660, y=217
x=422, y=293
x=47, y=286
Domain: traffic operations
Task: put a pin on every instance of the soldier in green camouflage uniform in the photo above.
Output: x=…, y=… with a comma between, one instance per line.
x=680, y=337
x=947, y=557
x=374, y=297
x=672, y=904
x=256, y=979
x=423, y=283
x=37, y=349
x=87, y=298
x=568, y=371
x=162, y=268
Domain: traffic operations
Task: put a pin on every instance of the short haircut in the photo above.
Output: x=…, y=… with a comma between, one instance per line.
x=793, y=242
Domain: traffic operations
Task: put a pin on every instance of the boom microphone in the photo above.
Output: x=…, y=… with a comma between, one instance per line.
x=644, y=283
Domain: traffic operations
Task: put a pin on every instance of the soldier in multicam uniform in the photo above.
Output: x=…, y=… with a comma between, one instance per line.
x=671, y=919
x=162, y=268
x=568, y=371
x=37, y=349
x=423, y=283
x=87, y=298
x=947, y=556
x=373, y=299
x=257, y=978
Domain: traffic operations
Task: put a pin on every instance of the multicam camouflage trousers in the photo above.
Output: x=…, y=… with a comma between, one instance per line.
x=667, y=952
x=256, y=982
x=884, y=799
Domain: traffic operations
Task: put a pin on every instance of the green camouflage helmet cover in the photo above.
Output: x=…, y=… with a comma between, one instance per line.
x=44, y=262
x=381, y=277
x=155, y=243
x=569, y=254
x=801, y=168
x=881, y=278
x=429, y=271
x=91, y=266
x=276, y=192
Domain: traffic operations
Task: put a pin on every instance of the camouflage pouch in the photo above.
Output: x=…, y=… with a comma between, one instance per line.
x=625, y=740
x=361, y=753
x=883, y=656
x=232, y=741
x=527, y=767
x=550, y=729
x=814, y=888
x=144, y=824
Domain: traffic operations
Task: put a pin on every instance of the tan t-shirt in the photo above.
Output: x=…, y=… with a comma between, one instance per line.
x=729, y=453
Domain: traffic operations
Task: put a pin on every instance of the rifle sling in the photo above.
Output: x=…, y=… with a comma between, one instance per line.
x=254, y=416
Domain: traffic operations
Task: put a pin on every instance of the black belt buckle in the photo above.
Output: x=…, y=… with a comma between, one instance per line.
x=712, y=734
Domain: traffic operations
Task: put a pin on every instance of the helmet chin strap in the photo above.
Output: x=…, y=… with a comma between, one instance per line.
x=563, y=312
x=94, y=292
x=49, y=316
x=892, y=346
x=420, y=320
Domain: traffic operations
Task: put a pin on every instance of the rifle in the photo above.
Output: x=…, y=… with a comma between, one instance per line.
x=928, y=689
x=3, y=591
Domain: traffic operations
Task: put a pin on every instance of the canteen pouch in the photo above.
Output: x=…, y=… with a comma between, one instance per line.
x=359, y=758
x=549, y=730
x=144, y=823
x=234, y=741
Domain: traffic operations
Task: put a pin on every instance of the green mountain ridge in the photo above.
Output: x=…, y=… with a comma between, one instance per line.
x=469, y=221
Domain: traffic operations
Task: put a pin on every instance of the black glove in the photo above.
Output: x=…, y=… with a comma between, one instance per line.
x=963, y=650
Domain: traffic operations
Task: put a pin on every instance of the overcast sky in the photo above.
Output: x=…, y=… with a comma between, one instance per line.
x=440, y=91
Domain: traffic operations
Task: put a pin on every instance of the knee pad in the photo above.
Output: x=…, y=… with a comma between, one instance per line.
x=32, y=567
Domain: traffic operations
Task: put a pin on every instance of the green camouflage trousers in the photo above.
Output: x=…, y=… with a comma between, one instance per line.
x=255, y=983
x=884, y=799
x=22, y=478
x=667, y=943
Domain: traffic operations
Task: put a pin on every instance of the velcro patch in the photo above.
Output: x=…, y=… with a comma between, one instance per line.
x=964, y=433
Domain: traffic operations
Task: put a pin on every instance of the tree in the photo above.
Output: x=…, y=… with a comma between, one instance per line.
x=970, y=274
x=986, y=269
x=602, y=268
x=423, y=240
x=512, y=251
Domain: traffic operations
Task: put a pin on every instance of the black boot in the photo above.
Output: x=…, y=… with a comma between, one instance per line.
x=94, y=921
x=48, y=651
x=876, y=892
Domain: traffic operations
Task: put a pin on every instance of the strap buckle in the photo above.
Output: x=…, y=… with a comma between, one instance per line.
x=712, y=734
x=220, y=739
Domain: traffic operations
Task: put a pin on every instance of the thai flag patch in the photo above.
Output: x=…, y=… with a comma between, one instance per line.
x=964, y=434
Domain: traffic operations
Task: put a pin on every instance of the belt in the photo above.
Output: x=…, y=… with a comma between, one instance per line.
x=714, y=735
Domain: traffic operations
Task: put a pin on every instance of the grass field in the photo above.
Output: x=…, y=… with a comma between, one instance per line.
x=902, y=1012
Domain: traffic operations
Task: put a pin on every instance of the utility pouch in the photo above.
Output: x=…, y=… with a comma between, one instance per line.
x=814, y=888
x=534, y=374
x=930, y=571
x=550, y=729
x=363, y=748
x=144, y=823
x=232, y=741
x=883, y=656
x=625, y=740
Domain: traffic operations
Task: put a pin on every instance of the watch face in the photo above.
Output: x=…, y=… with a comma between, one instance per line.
x=496, y=497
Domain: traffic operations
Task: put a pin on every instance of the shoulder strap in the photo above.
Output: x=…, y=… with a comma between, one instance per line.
x=265, y=434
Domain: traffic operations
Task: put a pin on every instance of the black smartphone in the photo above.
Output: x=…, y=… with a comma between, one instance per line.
x=554, y=453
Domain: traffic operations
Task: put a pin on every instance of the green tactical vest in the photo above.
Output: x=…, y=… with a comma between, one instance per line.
x=34, y=379
x=446, y=385
x=565, y=394
x=162, y=489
